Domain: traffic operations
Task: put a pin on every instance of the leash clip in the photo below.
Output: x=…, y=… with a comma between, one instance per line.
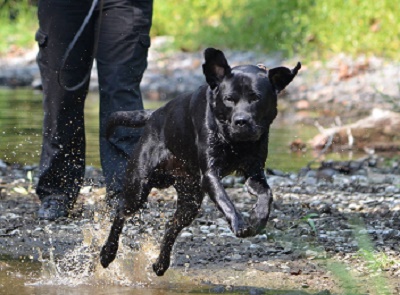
x=262, y=66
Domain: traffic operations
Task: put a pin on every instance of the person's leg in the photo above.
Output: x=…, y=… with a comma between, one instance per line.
x=121, y=60
x=62, y=162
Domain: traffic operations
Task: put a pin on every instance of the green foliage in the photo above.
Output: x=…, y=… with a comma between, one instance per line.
x=309, y=220
x=18, y=24
x=345, y=278
x=312, y=29
x=376, y=261
x=239, y=24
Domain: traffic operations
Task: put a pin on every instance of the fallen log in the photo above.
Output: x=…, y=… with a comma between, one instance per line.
x=378, y=132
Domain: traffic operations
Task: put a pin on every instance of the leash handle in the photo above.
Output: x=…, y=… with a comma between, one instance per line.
x=73, y=43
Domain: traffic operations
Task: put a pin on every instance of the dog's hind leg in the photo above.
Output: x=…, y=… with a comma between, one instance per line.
x=124, y=209
x=110, y=248
x=189, y=203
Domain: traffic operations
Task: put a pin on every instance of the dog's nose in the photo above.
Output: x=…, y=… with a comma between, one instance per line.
x=241, y=120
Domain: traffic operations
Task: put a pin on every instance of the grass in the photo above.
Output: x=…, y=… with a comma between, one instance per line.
x=374, y=261
x=18, y=23
x=312, y=29
x=347, y=273
x=347, y=281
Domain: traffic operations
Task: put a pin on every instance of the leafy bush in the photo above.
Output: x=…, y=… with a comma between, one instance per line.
x=314, y=29
x=18, y=23
x=241, y=24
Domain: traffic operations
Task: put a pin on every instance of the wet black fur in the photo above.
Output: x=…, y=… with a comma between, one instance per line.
x=195, y=140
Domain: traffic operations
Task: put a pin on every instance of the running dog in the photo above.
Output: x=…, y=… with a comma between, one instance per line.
x=194, y=141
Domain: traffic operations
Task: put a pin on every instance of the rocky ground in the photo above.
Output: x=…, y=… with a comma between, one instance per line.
x=334, y=228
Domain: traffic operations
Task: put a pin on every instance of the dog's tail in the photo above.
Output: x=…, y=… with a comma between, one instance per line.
x=133, y=119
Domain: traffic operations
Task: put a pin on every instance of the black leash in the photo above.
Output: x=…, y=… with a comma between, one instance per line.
x=73, y=43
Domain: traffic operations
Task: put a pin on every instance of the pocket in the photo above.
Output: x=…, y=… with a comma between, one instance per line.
x=138, y=57
x=145, y=40
x=41, y=38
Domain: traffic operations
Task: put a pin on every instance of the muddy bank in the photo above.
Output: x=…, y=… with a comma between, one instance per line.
x=339, y=213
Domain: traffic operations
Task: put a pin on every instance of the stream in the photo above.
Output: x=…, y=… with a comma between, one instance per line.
x=21, y=118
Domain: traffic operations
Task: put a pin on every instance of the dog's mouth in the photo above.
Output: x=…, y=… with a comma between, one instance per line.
x=245, y=133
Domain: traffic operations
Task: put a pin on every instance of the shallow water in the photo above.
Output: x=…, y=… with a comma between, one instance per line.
x=129, y=274
x=27, y=278
x=78, y=271
x=21, y=124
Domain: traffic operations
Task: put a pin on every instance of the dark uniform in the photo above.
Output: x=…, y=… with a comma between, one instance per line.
x=121, y=56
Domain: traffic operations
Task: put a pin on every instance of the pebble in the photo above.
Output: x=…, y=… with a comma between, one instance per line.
x=186, y=235
x=204, y=227
x=392, y=189
x=254, y=246
x=356, y=207
x=323, y=238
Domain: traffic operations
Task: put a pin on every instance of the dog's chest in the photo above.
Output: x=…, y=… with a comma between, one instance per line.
x=229, y=158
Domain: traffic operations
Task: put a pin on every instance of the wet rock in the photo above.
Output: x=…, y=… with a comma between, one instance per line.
x=218, y=290
x=355, y=207
x=256, y=291
x=228, y=181
x=277, y=181
x=392, y=189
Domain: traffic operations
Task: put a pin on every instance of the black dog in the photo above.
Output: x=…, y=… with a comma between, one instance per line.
x=195, y=140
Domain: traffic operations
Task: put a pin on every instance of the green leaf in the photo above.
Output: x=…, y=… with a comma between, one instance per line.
x=312, y=224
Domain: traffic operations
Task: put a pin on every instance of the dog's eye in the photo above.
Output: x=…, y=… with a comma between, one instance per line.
x=254, y=98
x=229, y=98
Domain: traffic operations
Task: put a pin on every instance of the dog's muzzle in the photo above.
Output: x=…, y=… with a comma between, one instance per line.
x=243, y=128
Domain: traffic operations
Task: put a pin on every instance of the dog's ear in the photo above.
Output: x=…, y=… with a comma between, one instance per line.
x=280, y=77
x=215, y=67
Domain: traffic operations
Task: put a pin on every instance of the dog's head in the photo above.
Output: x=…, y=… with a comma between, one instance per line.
x=243, y=99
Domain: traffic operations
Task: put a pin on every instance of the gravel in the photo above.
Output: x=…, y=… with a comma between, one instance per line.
x=317, y=218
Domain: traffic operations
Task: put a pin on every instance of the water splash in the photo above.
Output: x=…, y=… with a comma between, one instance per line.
x=81, y=265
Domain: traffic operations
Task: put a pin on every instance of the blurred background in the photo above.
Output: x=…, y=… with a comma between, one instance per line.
x=310, y=29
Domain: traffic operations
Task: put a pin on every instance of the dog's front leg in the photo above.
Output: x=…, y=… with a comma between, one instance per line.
x=214, y=188
x=257, y=185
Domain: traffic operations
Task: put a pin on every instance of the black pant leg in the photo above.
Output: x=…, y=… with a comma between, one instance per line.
x=62, y=162
x=121, y=60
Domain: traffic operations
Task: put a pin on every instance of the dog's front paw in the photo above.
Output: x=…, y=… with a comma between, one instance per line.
x=242, y=230
x=108, y=254
x=245, y=232
x=161, y=266
x=257, y=223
